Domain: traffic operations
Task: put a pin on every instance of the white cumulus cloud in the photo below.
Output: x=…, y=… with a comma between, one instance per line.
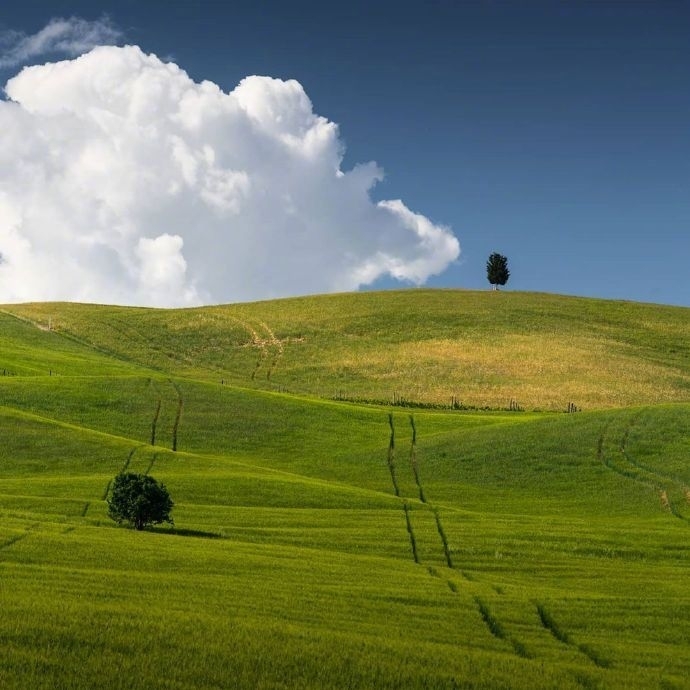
x=71, y=36
x=123, y=181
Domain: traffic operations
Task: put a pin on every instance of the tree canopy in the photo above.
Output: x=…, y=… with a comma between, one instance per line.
x=139, y=500
x=497, y=271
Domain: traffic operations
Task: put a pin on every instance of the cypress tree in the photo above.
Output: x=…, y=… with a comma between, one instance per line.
x=497, y=271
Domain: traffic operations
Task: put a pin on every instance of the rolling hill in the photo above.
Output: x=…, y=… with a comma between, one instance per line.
x=372, y=490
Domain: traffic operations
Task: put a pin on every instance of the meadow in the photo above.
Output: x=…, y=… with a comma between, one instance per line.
x=378, y=490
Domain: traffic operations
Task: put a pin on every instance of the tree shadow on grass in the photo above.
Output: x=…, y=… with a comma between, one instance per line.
x=200, y=534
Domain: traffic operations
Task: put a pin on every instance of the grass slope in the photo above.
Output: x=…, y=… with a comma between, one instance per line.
x=483, y=348
x=313, y=548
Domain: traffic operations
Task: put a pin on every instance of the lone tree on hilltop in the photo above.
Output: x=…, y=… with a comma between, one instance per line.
x=139, y=500
x=497, y=270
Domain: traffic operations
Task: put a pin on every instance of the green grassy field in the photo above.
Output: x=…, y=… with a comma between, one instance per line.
x=483, y=548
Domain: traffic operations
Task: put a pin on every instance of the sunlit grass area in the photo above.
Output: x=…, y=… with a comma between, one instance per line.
x=323, y=543
x=480, y=348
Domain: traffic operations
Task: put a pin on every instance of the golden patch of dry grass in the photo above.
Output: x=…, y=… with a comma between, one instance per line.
x=483, y=349
x=536, y=370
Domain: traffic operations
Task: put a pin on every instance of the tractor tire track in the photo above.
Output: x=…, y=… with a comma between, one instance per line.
x=413, y=460
x=150, y=465
x=422, y=496
x=444, y=540
x=125, y=467
x=638, y=472
x=154, y=423
x=420, y=489
x=410, y=532
x=487, y=617
x=662, y=480
x=391, y=456
x=17, y=537
x=178, y=415
x=406, y=507
x=156, y=414
x=496, y=629
x=548, y=623
x=13, y=540
x=62, y=332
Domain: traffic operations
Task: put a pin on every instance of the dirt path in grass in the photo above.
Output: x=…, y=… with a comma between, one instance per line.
x=270, y=348
x=276, y=349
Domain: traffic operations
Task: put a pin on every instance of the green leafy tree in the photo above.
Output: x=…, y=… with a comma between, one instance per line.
x=497, y=270
x=139, y=500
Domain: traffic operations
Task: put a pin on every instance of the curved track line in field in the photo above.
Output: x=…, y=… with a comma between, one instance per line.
x=639, y=472
x=410, y=532
x=406, y=507
x=153, y=460
x=496, y=629
x=125, y=467
x=156, y=414
x=550, y=624
x=420, y=489
x=17, y=537
x=628, y=473
x=391, y=456
x=13, y=540
x=642, y=468
x=600, y=445
x=178, y=415
x=489, y=619
x=444, y=540
x=656, y=475
x=415, y=471
x=413, y=460
x=68, y=335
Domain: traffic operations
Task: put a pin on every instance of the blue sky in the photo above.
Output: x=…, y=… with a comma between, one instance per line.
x=556, y=133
